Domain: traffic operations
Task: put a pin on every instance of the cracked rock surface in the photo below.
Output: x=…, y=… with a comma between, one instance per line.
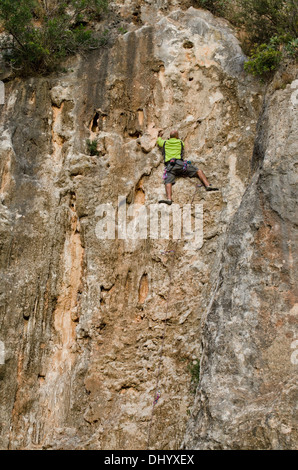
x=82, y=318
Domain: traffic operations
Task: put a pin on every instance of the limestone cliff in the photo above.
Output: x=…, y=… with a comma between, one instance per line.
x=247, y=394
x=89, y=324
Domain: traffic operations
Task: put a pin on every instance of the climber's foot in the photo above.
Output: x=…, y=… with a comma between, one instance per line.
x=211, y=188
x=165, y=201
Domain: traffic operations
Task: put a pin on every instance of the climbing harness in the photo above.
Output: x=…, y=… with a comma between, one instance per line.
x=185, y=164
x=168, y=166
x=164, y=176
x=172, y=162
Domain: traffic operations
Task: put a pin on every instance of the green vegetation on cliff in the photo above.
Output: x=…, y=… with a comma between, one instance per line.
x=269, y=29
x=41, y=33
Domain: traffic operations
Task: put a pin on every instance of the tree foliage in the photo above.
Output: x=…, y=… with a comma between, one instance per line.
x=264, y=59
x=217, y=7
x=264, y=19
x=41, y=33
x=270, y=27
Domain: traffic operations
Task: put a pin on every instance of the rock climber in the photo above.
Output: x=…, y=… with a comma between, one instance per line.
x=173, y=150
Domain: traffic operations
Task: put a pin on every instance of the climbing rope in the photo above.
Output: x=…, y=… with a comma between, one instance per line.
x=167, y=252
x=196, y=188
x=157, y=393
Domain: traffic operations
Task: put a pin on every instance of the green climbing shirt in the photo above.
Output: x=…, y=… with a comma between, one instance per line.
x=172, y=148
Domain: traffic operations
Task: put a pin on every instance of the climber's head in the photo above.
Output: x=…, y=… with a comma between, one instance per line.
x=174, y=135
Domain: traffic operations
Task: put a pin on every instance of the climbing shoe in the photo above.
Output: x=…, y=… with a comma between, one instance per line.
x=165, y=201
x=211, y=188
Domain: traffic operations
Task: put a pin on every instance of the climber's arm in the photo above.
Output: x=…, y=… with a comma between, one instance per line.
x=160, y=142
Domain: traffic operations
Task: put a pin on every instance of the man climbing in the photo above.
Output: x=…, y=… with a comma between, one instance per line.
x=173, y=150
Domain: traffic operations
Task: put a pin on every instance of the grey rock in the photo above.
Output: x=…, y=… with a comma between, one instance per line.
x=82, y=318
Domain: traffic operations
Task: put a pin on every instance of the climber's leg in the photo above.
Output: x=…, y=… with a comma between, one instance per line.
x=169, y=190
x=168, y=193
x=202, y=177
x=169, y=180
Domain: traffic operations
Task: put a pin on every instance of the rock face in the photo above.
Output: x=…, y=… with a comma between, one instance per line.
x=247, y=394
x=92, y=327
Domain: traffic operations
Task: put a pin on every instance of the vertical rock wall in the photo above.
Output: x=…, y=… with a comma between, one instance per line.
x=82, y=319
x=248, y=390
